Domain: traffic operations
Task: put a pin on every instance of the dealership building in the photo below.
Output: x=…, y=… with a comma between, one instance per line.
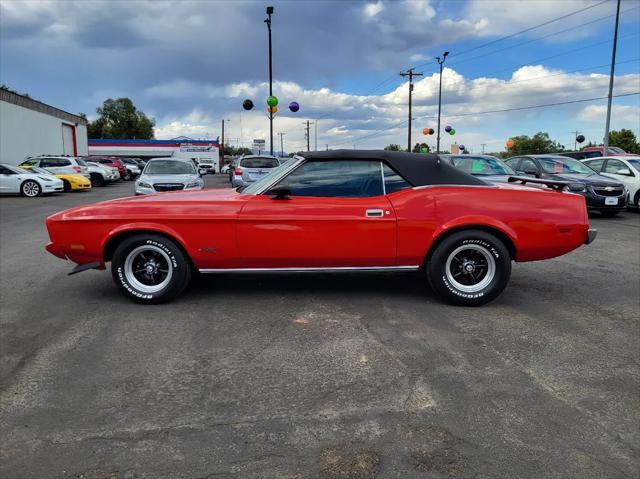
x=29, y=128
x=180, y=146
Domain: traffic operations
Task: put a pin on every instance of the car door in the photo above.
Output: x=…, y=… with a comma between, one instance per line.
x=9, y=182
x=335, y=215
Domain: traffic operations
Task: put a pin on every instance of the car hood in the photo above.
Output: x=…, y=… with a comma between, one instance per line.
x=169, y=178
x=594, y=179
x=158, y=205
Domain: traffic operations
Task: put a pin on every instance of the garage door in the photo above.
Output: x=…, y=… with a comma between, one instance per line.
x=69, y=140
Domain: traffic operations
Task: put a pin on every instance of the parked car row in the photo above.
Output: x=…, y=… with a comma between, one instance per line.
x=47, y=174
x=609, y=184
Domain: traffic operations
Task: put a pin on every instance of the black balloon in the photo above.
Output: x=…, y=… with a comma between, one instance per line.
x=431, y=131
x=580, y=138
x=247, y=104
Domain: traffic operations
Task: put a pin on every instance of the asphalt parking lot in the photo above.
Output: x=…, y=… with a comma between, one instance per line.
x=310, y=376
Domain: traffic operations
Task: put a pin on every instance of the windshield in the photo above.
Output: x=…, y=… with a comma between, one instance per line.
x=259, y=163
x=42, y=171
x=267, y=179
x=615, y=149
x=481, y=165
x=169, y=167
x=635, y=162
x=15, y=169
x=558, y=165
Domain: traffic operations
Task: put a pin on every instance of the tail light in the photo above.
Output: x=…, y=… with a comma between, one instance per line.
x=77, y=169
x=237, y=172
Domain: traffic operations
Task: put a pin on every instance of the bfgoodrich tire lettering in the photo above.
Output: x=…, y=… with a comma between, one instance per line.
x=150, y=268
x=469, y=268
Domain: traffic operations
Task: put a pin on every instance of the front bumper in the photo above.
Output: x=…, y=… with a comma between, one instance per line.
x=598, y=202
x=52, y=188
x=591, y=235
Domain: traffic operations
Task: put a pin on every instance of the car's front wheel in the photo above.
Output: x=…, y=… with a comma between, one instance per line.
x=469, y=268
x=150, y=268
x=30, y=189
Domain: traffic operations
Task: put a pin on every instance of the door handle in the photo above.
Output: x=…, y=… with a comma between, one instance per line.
x=374, y=213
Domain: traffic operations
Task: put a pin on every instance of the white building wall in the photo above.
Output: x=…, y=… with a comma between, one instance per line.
x=25, y=132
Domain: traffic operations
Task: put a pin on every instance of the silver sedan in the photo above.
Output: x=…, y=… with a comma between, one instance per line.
x=168, y=174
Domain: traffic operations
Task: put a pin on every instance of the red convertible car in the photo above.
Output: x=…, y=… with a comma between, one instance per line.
x=331, y=211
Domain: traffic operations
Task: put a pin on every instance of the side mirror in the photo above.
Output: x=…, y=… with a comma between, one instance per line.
x=531, y=172
x=624, y=171
x=202, y=171
x=281, y=193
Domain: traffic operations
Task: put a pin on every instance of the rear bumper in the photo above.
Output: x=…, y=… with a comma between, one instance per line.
x=591, y=235
x=56, y=250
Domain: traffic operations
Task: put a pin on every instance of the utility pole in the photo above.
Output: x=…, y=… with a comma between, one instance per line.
x=315, y=129
x=307, y=135
x=221, y=149
x=440, y=62
x=613, y=67
x=327, y=147
x=281, y=144
x=410, y=73
x=483, y=145
x=268, y=22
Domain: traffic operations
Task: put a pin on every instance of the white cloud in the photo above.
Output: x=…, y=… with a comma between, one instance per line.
x=629, y=114
x=353, y=116
x=372, y=9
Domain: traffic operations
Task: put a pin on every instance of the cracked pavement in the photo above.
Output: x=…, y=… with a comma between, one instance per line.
x=317, y=376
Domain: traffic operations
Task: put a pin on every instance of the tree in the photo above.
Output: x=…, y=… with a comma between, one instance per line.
x=624, y=139
x=121, y=119
x=537, y=144
x=419, y=146
x=392, y=147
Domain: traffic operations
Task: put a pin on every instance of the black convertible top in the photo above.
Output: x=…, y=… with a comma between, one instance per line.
x=419, y=169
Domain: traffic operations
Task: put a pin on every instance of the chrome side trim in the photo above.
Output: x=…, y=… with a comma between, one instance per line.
x=424, y=187
x=338, y=269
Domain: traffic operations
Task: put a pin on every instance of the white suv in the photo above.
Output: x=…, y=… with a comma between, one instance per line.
x=101, y=174
x=57, y=164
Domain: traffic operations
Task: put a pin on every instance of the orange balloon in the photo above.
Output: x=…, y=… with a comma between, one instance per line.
x=510, y=143
x=272, y=109
x=425, y=131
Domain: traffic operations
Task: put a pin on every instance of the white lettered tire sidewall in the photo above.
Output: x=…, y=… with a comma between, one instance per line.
x=485, y=242
x=181, y=268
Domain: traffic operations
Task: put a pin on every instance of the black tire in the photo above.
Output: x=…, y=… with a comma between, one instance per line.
x=30, y=189
x=463, y=254
x=97, y=179
x=636, y=200
x=127, y=176
x=66, y=185
x=609, y=213
x=138, y=252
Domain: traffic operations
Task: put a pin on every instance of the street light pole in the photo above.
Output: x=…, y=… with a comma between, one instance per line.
x=268, y=22
x=281, y=145
x=613, y=67
x=440, y=62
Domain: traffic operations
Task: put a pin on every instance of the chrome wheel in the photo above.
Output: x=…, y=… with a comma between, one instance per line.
x=470, y=268
x=31, y=189
x=148, y=269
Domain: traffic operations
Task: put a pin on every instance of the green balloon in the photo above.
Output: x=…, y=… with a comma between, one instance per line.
x=452, y=132
x=424, y=149
x=272, y=101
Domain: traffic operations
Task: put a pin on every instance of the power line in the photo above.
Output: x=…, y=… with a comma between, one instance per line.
x=548, y=22
x=530, y=107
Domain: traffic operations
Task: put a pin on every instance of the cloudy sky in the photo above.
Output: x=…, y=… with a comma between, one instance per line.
x=189, y=64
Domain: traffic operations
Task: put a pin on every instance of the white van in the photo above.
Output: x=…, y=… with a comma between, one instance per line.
x=207, y=160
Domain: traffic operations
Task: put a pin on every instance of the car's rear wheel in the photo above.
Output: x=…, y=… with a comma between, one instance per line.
x=127, y=176
x=30, y=189
x=66, y=185
x=97, y=179
x=469, y=268
x=150, y=268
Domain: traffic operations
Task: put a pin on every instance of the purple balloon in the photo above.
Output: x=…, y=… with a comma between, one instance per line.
x=293, y=106
x=462, y=147
x=447, y=128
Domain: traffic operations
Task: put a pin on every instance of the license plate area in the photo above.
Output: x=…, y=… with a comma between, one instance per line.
x=611, y=201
